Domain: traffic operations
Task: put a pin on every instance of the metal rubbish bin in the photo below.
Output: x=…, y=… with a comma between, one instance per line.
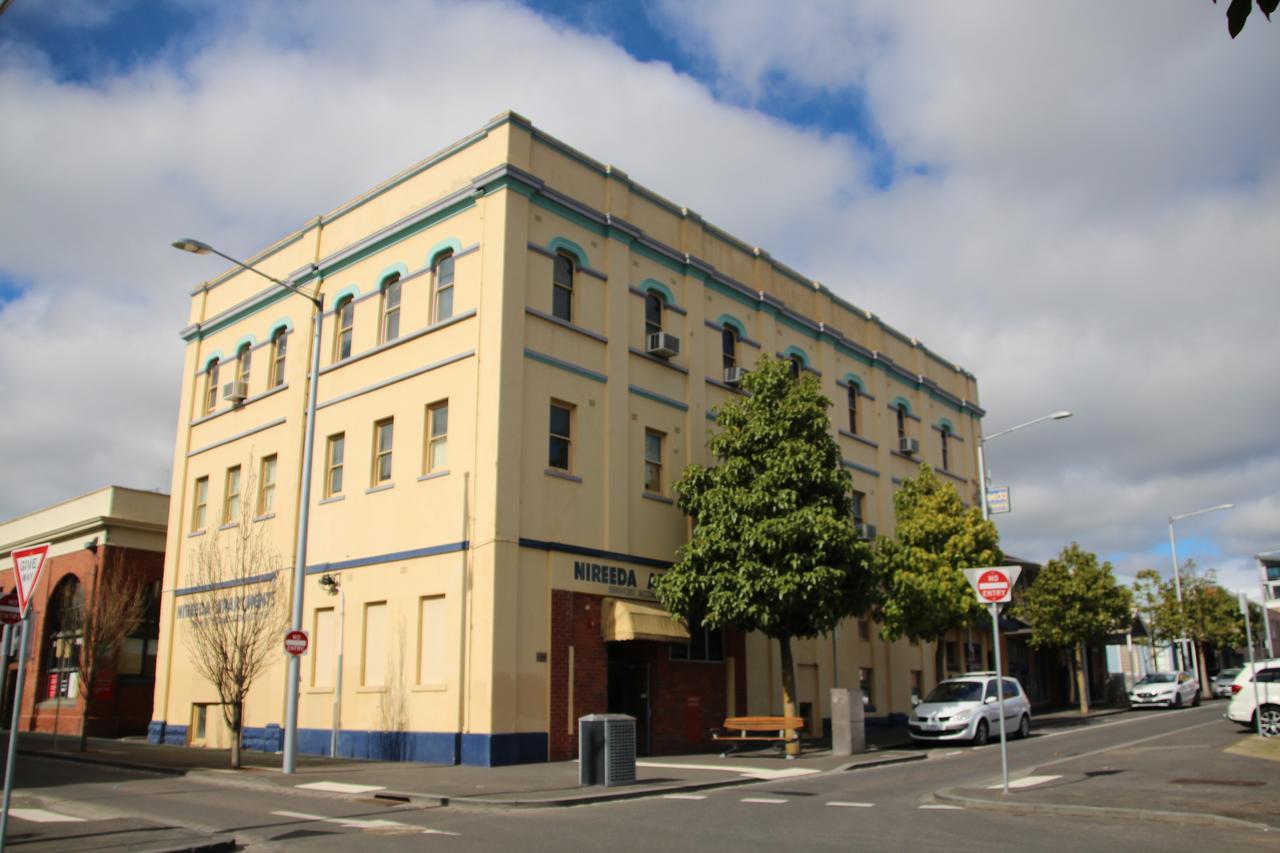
x=606, y=749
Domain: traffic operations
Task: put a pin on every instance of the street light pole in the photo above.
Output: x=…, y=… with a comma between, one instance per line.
x=982, y=441
x=289, y=763
x=1184, y=650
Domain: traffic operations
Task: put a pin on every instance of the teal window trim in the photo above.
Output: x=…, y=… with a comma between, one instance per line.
x=658, y=398
x=351, y=290
x=552, y=361
x=943, y=423
x=390, y=271
x=901, y=401
x=561, y=244
x=215, y=356
x=245, y=340
x=794, y=350
x=659, y=288
x=283, y=323
x=733, y=322
x=856, y=382
x=452, y=244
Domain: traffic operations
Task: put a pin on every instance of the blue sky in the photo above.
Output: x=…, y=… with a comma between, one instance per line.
x=1076, y=202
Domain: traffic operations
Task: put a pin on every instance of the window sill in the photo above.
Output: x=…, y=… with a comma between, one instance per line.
x=318, y=690
x=910, y=459
x=944, y=472
x=383, y=487
x=229, y=525
x=381, y=688
x=264, y=517
x=654, y=496
x=430, y=688
x=868, y=442
x=566, y=324
x=431, y=475
x=332, y=499
x=194, y=533
x=563, y=475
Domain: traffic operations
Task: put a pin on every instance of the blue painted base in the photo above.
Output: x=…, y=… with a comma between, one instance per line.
x=269, y=738
x=427, y=747
x=170, y=734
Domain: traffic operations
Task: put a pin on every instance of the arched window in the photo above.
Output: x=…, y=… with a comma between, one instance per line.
x=562, y=287
x=442, y=276
x=901, y=413
x=389, y=329
x=946, y=450
x=853, y=408
x=211, y=387
x=345, y=315
x=729, y=347
x=244, y=356
x=279, y=344
x=796, y=364
x=63, y=638
x=652, y=313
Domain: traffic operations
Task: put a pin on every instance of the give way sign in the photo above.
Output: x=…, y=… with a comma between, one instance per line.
x=994, y=584
x=28, y=563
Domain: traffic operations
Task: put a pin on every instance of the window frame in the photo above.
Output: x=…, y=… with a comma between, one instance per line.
x=231, y=496
x=267, y=468
x=653, y=318
x=211, y=386
x=689, y=652
x=728, y=347
x=563, y=289
x=440, y=287
x=279, y=356
x=853, y=392
x=655, y=465
x=200, y=504
x=796, y=367
x=566, y=438
x=337, y=440
x=389, y=293
x=381, y=427
x=857, y=500
x=946, y=451
x=244, y=363
x=434, y=439
x=344, y=322
x=901, y=414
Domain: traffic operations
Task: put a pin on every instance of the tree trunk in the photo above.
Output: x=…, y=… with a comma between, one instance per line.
x=84, y=722
x=235, y=726
x=789, y=691
x=1082, y=688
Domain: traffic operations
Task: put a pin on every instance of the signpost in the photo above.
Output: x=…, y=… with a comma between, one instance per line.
x=994, y=586
x=998, y=500
x=296, y=643
x=28, y=563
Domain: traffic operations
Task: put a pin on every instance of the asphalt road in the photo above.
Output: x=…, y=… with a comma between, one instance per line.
x=886, y=808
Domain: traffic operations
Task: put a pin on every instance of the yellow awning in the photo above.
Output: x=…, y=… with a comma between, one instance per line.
x=632, y=620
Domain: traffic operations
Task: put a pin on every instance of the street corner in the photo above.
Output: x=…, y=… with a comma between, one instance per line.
x=1267, y=749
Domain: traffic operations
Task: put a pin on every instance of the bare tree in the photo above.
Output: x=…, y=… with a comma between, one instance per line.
x=111, y=612
x=236, y=617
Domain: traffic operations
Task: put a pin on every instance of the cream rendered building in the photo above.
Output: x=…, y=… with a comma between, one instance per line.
x=497, y=434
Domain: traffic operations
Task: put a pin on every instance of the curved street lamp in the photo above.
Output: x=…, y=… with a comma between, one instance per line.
x=1184, y=644
x=289, y=763
x=982, y=440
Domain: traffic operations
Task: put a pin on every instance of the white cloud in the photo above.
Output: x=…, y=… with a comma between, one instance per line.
x=1095, y=230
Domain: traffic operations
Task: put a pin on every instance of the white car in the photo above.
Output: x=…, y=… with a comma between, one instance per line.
x=1265, y=675
x=1168, y=689
x=967, y=707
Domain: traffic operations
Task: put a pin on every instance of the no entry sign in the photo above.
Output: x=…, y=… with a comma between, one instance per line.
x=10, y=611
x=994, y=584
x=296, y=642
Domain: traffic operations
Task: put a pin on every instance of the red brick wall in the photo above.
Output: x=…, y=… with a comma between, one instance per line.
x=686, y=699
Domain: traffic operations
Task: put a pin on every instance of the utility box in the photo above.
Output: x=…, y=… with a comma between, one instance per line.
x=848, y=722
x=606, y=750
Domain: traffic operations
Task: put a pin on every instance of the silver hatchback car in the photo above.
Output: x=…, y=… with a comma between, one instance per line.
x=967, y=707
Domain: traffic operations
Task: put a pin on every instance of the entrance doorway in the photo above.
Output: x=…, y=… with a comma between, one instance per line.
x=629, y=689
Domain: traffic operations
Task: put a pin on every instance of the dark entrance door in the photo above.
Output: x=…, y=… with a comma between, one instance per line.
x=629, y=692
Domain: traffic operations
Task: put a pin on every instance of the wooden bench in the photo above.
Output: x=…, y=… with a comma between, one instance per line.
x=779, y=730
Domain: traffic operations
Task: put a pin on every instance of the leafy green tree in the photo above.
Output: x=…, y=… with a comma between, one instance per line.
x=921, y=588
x=1155, y=601
x=1212, y=615
x=1073, y=601
x=773, y=546
x=1238, y=13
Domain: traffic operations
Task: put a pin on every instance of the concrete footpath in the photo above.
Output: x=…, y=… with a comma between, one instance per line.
x=1212, y=774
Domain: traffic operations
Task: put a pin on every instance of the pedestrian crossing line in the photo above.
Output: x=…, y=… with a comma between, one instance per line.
x=851, y=805
x=764, y=800
x=941, y=807
x=43, y=816
x=684, y=796
x=340, y=787
x=361, y=823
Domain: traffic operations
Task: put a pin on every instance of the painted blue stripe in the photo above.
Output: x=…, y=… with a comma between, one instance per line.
x=863, y=468
x=657, y=398
x=564, y=365
x=583, y=551
x=210, y=587
x=413, y=554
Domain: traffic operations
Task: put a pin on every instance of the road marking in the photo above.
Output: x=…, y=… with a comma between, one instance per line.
x=769, y=800
x=42, y=816
x=1028, y=781
x=1216, y=721
x=752, y=772
x=955, y=752
x=358, y=823
x=684, y=796
x=939, y=807
x=851, y=805
x=341, y=787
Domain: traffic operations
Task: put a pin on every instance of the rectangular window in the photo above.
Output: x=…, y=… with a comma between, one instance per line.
x=433, y=640
x=858, y=499
x=853, y=408
x=444, y=288
x=946, y=451
x=199, y=503
x=436, y=457
x=653, y=461
x=864, y=630
x=279, y=347
x=705, y=644
x=562, y=288
x=137, y=657
x=334, y=455
x=373, y=651
x=231, y=497
x=866, y=680
x=243, y=360
x=267, y=485
x=211, y=387
x=383, y=434
x=324, y=653
x=345, y=315
x=560, y=454
x=390, y=328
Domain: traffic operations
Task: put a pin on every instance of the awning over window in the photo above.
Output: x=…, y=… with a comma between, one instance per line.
x=632, y=620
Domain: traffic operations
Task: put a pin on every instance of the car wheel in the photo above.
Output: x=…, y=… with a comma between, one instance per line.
x=1024, y=728
x=1177, y=700
x=980, y=734
x=1271, y=720
x=1195, y=701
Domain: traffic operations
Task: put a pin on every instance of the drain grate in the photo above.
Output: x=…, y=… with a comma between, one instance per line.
x=1230, y=783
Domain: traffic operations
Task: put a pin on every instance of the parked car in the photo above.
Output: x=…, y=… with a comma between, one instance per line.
x=1265, y=675
x=1221, y=684
x=1170, y=689
x=967, y=707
